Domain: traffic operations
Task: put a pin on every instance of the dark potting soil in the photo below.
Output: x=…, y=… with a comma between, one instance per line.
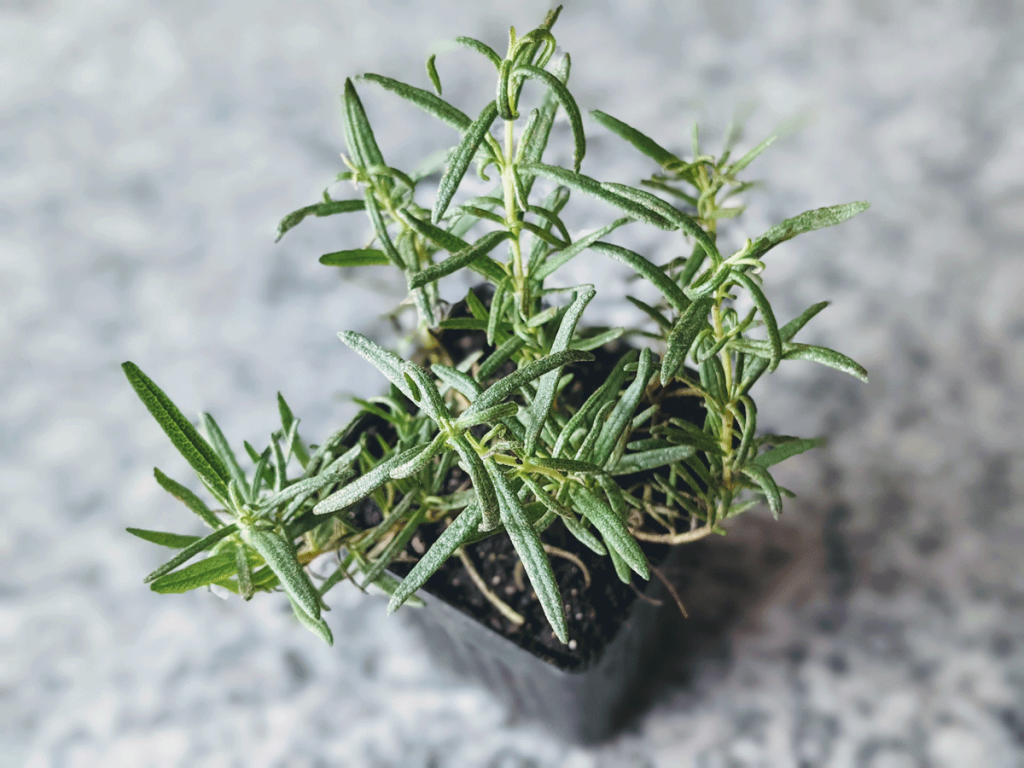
x=595, y=600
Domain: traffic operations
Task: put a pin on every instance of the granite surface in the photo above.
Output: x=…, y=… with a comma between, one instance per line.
x=146, y=152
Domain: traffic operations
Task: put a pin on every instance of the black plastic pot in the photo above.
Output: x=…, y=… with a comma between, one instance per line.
x=583, y=705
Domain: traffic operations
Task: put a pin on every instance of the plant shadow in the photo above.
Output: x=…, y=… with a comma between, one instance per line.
x=724, y=583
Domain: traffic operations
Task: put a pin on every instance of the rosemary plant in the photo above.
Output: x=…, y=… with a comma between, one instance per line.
x=615, y=469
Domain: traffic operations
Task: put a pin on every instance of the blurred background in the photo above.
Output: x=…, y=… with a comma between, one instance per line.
x=147, y=151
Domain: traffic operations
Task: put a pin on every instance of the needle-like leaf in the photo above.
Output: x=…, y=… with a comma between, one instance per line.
x=613, y=530
x=622, y=414
x=189, y=499
x=504, y=387
x=592, y=187
x=186, y=438
x=386, y=362
x=545, y=396
x=785, y=451
x=560, y=92
x=463, y=258
x=365, y=484
x=644, y=143
x=805, y=222
x=191, y=551
x=358, y=257
x=765, y=308
x=462, y=528
x=327, y=208
x=460, y=159
x=682, y=336
x=425, y=100
x=172, y=540
x=658, y=457
x=672, y=292
x=766, y=482
x=530, y=549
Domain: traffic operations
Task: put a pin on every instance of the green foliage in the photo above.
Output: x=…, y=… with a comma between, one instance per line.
x=616, y=466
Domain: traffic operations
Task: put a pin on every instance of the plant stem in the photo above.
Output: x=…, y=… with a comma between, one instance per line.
x=674, y=538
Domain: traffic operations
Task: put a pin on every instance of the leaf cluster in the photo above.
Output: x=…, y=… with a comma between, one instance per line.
x=616, y=469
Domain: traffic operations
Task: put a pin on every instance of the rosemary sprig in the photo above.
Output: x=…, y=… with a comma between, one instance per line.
x=503, y=415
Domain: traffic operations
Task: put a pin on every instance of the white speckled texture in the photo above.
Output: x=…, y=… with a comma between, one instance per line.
x=147, y=150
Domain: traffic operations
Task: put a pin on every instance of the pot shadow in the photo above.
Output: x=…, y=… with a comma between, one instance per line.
x=729, y=582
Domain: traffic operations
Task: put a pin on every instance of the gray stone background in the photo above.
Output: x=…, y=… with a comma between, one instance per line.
x=147, y=150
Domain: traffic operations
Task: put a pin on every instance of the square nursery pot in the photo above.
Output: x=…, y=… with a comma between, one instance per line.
x=582, y=702
x=584, y=692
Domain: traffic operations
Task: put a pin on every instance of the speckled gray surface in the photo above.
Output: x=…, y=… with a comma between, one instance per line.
x=146, y=151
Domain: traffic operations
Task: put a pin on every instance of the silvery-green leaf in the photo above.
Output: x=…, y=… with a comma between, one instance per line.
x=828, y=357
x=306, y=486
x=197, y=452
x=462, y=528
x=189, y=499
x=463, y=324
x=461, y=259
x=545, y=397
x=364, y=485
x=504, y=387
x=787, y=332
x=501, y=292
x=356, y=257
x=644, y=143
x=750, y=156
x=172, y=540
x=613, y=530
x=653, y=313
x=623, y=411
x=681, y=220
x=604, y=395
x=765, y=308
x=386, y=362
x=749, y=429
x=652, y=459
x=213, y=569
x=476, y=468
x=245, y=586
x=220, y=445
x=457, y=380
x=421, y=460
x=481, y=48
x=785, y=451
x=592, y=187
x=425, y=393
x=362, y=145
x=326, y=208
x=435, y=80
x=805, y=222
x=279, y=554
x=425, y=100
x=527, y=544
x=287, y=421
x=490, y=415
x=764, y=480
x=556, y=87
x=599, y=340
x=461, y=158
x=381, y=230
x=394, y=547
x=317, y=626
x=669, y=289
x=498, y=357
x=682, y=336
x=484, y=265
